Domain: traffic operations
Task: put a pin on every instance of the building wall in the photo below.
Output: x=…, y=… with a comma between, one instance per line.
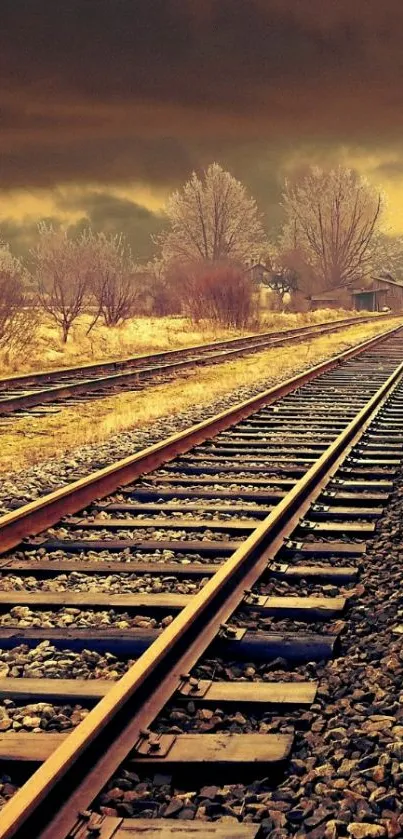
x=342, y=298
x=299, y=302
x=394, y=297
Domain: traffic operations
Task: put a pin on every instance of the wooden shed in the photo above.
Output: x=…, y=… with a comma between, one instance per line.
x=372, y=296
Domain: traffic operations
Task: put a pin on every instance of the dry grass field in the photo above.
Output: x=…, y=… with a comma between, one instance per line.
x=30, y=441
x=137, y=336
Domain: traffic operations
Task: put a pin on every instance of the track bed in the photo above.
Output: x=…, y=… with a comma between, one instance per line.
x=207, y=619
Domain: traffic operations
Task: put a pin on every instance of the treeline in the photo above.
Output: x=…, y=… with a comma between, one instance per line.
x=214, y=232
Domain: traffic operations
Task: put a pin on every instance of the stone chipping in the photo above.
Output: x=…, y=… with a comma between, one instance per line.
x=345, y=778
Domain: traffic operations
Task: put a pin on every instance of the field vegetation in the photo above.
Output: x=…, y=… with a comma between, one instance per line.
x=139, y=335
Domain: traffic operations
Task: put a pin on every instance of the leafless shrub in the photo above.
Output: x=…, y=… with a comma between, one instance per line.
x=18, y=310
x=222, y=292
x=114, y=280
x=61, y=272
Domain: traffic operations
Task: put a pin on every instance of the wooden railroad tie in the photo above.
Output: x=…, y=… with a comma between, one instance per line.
x=201, y=691
x=204, y=751
x=233, y=643
x=306, y=608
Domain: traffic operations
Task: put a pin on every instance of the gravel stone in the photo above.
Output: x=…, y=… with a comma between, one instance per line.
x=67, y=616
x=140, y=535
x=111, y=584
x=45, y=660
x=127, y=555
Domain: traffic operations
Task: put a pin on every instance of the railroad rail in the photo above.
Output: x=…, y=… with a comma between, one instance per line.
x=25, y=392
x=283, y=488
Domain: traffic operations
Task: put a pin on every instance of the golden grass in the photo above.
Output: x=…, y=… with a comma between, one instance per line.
x=29, y=441
x=138, y=336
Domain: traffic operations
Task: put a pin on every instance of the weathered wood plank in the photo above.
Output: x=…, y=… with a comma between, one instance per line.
x=324, y=548
x=266, y=693
x=220, y=750
x=87, y=599
x=325, y=573
x=367, y=471
x=355, y=484
x=369, y=461
x=301, y=608
x=29, y=747
x=345, y=527
x=177, y=829
x=308, y=608
x=91, y=690
x=324, y=512
x=48, y=690
x=253, y=646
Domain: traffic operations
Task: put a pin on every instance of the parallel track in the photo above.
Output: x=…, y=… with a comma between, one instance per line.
x=23, y=393
x=295, y=480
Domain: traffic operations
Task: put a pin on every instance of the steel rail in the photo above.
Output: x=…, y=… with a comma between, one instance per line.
x=10, y=404
x=165, y=354
x=47, y=510
x=83, y=764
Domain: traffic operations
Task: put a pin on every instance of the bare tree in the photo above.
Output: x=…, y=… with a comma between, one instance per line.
x=211, y=219
x=115, y=282
x=18, y=312
x=388, y=256
x=61, y=272
x=333, y=218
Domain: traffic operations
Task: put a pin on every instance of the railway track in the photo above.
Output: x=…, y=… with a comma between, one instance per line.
x=44, y=392
x=240, y=540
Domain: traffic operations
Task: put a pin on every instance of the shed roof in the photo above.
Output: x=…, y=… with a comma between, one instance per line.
x=259, y=265
x=332, y=294
x=388, y=280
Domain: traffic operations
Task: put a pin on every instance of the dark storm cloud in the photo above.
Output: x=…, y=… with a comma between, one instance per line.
x=110, y=214
x=155, y=161
x=100, y=211
x=113, y=90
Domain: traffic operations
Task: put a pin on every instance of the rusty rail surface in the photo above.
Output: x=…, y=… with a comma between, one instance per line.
x=82, y=765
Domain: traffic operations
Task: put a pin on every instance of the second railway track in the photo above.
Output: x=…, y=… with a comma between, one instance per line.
x=21, y=395
x=240, y=541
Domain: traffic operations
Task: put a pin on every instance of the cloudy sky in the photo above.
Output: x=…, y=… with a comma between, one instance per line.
x=108, y=105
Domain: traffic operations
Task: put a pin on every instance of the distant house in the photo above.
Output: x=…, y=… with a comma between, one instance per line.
x=378, y=294
x=260, y=273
